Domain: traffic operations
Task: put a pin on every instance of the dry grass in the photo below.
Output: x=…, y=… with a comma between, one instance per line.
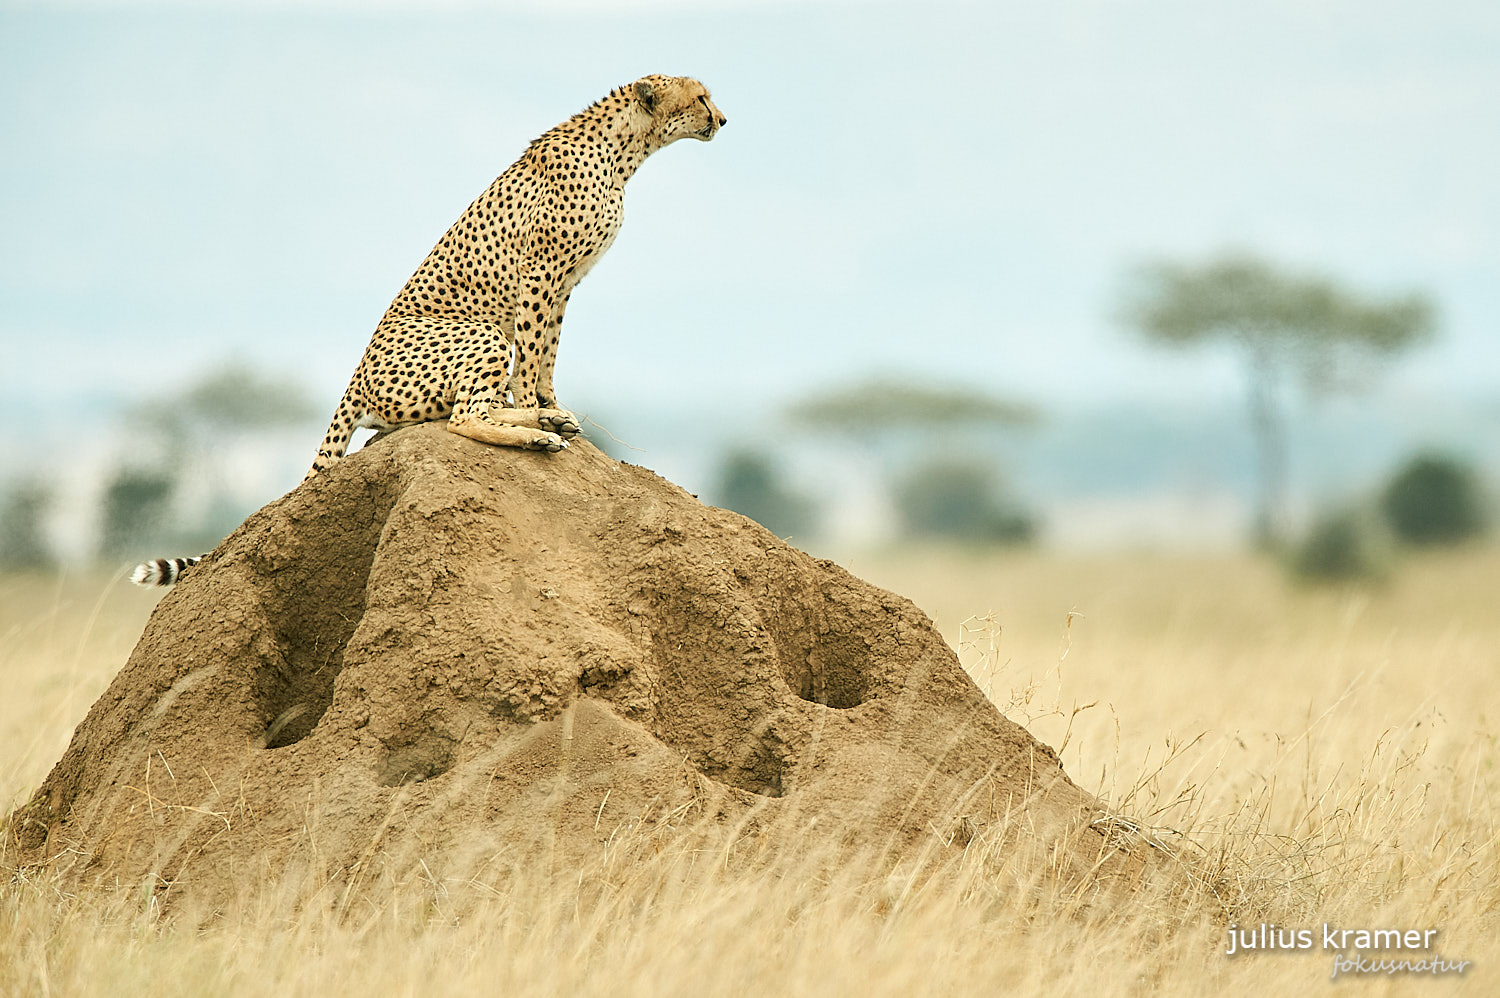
x=1312, y=757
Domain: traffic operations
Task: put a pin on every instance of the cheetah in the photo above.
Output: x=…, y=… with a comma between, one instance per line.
x=472, y=336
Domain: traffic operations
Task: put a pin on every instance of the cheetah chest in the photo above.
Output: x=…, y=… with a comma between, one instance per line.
x=601, y=225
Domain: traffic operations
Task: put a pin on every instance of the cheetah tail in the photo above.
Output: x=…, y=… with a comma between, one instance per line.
x=162, y=571
x=340, y=433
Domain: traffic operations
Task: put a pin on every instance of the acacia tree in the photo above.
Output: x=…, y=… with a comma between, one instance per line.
x=881, y=406
x=1285, y=325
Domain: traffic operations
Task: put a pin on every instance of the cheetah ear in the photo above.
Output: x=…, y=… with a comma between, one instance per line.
x=646, y=94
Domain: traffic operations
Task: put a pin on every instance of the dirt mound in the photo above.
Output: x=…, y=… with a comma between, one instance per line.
x=445, y=653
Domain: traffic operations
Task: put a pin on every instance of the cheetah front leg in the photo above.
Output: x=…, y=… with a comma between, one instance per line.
x=539, y=317
x=550, y=414
x=545, y=394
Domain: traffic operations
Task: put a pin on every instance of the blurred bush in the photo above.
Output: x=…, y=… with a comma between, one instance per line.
x=133, y=510
x=750, y=484
x=1348, y=545
x=959, y=499
x=1434, y=499
x=23, y=537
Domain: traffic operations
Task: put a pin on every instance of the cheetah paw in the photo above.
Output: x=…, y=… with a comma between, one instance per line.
x=559, y=421
x=543, y=440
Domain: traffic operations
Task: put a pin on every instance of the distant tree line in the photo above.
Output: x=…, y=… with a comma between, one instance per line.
x=168, y=441
x=955, y=494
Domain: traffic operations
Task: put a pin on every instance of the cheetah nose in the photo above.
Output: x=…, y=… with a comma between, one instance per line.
x=723, y=121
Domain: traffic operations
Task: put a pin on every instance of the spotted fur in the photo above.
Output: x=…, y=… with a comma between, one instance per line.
x=481, y=316
x=472, y=337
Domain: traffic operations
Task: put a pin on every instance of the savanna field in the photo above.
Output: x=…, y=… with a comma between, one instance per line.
x=1305, y=757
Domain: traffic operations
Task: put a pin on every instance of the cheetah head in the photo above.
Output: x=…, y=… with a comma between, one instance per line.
x=679, y=108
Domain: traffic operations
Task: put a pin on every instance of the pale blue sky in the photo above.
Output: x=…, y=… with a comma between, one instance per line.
x=925, y=187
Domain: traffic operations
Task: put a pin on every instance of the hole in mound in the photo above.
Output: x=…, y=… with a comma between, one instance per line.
x=295, y=693
x=428, y=756
x=316, y=600
x=821, y=648
x=834, y=672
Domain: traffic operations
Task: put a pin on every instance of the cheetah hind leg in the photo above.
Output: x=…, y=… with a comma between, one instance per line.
x=559, y=421
x=488, y=425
